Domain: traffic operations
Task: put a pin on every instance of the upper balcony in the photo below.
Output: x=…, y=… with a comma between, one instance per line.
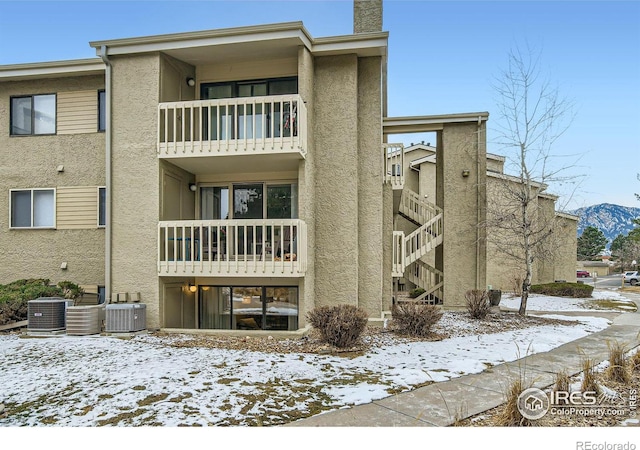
x=274, y=124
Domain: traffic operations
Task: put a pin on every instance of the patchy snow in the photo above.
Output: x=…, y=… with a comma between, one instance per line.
x=537, y=302
x=89, y=381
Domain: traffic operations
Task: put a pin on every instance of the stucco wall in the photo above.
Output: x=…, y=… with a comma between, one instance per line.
x=306, y=185
x=370, y=197
x=463, y=200
x=135, y=186
x=31, y=162
x=336, y=179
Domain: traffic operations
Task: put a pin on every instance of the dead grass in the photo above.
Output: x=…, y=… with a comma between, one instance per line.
x=510, y=416
x=618, y=369
x=589, y=383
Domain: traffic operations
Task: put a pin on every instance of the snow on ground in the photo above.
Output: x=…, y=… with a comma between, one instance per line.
x=90, y=381
x=537, y=302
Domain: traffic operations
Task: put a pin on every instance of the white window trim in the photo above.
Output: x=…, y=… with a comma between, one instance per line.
x=98, y=209
x=32, y=191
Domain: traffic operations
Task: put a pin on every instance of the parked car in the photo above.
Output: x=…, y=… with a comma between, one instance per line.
x=582, y=274
x=632, y=278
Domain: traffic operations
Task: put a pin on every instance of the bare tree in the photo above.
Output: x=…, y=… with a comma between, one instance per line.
x=531, y=117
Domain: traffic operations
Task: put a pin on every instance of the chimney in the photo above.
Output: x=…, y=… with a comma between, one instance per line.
x=367, y=16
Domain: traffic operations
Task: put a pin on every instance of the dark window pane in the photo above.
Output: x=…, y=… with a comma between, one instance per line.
x=102, y=206
x=247, y=201
x=21, y=208
x=21, y=115
x=282, y=87
x=217, y=91
x=102, y=111
x=279, y=202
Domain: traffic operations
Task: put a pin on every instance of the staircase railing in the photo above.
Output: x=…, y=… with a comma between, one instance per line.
x=416, y=208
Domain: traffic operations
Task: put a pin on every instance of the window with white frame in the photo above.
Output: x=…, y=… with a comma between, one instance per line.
x=32, y=208
x=33, y=114
x=102, y=206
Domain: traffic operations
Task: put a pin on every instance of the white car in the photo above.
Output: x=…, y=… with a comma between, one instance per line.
x=632, y=278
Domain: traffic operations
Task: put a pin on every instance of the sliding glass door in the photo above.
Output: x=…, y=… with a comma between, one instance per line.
x=248, y=308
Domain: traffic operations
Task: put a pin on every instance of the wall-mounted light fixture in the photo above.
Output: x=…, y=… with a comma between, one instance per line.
x=191, y=82
x=63, y=266
x=60, y=168
x=465, y=173
x=192, y=287
x=193, y=187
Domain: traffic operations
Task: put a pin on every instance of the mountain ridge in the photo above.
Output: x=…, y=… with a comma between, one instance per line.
x=609, y=218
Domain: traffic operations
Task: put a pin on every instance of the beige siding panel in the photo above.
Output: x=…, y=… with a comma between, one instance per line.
x=77, y=207
x=250, y=70
x=77, y=112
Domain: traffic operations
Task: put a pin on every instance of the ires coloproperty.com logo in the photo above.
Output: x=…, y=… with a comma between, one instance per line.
x=534, y=404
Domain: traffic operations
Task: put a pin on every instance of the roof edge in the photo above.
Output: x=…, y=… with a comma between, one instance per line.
x=51, y=68
x=190, y=35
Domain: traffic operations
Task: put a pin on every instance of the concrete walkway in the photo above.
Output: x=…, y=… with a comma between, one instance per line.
x=440, y=403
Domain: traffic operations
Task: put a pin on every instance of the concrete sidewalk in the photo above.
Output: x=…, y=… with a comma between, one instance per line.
x=438, y=404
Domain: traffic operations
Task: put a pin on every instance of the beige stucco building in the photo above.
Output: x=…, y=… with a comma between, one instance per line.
x=504, y=260
x=235, y=179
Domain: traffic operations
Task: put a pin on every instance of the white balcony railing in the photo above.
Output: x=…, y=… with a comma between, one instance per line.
x=393, y=159
x=241, y=247
x=230, y=126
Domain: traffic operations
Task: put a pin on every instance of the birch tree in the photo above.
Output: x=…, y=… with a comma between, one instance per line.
x=531, y=116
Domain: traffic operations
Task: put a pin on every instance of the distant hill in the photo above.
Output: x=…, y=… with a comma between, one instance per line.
x=612, y=220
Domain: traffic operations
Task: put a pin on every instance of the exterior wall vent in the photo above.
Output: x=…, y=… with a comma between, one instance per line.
x=127, y=317
x=83, y=320
x=47, y=314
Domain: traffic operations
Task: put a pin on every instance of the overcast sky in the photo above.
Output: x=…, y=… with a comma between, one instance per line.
x=443, y=58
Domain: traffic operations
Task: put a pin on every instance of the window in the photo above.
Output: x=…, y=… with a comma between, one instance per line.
x=35, y=114
x=253, y=88
x=248, y=308
x=102, y=111
x=248, y=201
x=32, y=208
x=102, y=207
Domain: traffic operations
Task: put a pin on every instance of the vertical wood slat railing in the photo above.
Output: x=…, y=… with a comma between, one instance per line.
x=266, y=124
x=273, y=247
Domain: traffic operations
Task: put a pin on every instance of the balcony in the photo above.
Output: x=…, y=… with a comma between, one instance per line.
x=232, y=248
x=233, y=126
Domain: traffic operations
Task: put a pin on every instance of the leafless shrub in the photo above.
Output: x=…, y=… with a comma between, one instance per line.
x=618, y=370
x=339, y=325
x=415, y=320
x=478, y=304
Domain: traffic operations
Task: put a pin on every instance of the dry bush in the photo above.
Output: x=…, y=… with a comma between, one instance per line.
x=516, y=281
x=634, y=361
x=510, y=415
x=589, y=382
x=562, y=381
x=339, y=325
x=618, y=370
x=415, y=320
x=478, y=304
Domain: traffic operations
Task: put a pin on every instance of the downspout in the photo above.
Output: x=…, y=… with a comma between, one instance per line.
x=107, y=244
x=478, y=215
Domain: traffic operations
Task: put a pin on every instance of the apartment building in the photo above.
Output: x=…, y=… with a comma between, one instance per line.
x=505, y=270
x=233, y=179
